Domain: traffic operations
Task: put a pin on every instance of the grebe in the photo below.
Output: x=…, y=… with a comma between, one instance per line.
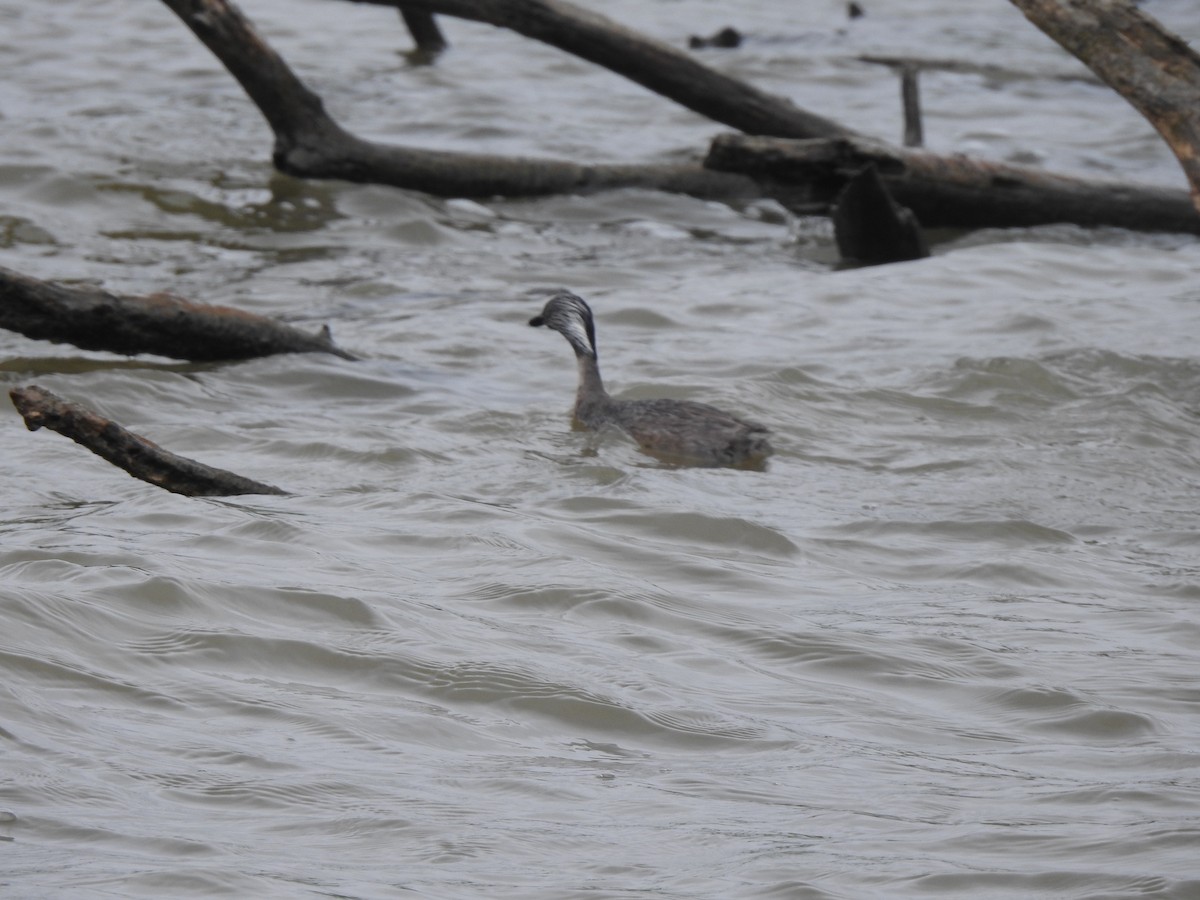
x=676, y=429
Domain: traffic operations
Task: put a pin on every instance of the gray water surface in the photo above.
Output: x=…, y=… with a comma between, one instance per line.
x=944, y=646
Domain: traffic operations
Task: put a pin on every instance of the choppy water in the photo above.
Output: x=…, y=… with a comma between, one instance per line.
x=944, y=646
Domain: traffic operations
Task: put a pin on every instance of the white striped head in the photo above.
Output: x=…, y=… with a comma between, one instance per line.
x=571, y=317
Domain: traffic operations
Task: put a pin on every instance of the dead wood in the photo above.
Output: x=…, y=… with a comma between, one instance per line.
x=162, y=324
x=870, y=227
x=955, y=191
x=910, y=98
x=425, y=34
x=952, y=191
x=653, y=64
x=310, y=144
x=1153, y=69
x=134, y=454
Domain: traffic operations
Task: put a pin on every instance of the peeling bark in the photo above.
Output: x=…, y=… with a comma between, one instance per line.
x=1153, y=69
x=162, y=324
x=141, y=458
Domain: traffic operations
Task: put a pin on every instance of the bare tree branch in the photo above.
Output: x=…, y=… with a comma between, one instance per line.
x=425, y=33
x=660, y=67
x=310, y=144
x=139, y=457
x=1157, y=72
x=162, y=324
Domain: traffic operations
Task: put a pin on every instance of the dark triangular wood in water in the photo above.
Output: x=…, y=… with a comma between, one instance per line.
x=871, y=227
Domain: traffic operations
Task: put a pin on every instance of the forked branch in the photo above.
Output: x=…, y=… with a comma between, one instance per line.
x=951, y=191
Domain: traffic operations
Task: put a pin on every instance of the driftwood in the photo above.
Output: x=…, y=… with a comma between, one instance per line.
x=956, y=191
x=909, y=70
x=1157, y=72
x=162, y=324
x=659, y=67
x=139, y=457
x=310, y=144
x=806, y=160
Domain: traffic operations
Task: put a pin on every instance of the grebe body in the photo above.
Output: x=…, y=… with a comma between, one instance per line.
x=682, y=430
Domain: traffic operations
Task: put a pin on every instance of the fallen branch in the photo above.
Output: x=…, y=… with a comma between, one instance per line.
x=1153, y=69
x=139, y=457
x=951, y=191
x=162, y=324
x=870, y=227
x=653, y=64
x=955, y=191
x=310, y=144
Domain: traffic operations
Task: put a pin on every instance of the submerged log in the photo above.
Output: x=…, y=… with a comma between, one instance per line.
x=162, y=324
x=956, y=191
x=1153, y=69
x=134, y=454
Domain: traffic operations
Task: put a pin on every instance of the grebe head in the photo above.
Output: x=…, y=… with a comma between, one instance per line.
x=571, y=317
